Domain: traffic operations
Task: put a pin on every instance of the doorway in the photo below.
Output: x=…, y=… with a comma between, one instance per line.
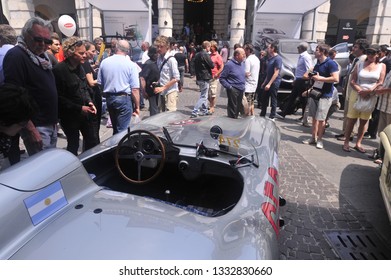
x=199, y=15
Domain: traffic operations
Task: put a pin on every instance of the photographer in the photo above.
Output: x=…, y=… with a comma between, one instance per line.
x=324, y=75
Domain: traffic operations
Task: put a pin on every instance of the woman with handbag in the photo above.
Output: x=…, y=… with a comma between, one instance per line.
x=368, y=75
x=324, y=75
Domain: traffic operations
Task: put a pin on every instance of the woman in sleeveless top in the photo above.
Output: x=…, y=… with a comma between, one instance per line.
x=368, y=75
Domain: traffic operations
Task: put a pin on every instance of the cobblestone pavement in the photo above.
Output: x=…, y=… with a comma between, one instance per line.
x=325, y=190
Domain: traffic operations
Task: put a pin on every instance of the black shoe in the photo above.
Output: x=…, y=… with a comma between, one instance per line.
x=368, y=136
x=327, y=125
x=375, y=154
x=339, y=135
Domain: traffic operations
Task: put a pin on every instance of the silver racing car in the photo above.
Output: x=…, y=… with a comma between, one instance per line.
x=168, y=188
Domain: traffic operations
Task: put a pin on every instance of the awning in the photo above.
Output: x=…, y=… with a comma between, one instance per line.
x=288, y=6
x=120, y=5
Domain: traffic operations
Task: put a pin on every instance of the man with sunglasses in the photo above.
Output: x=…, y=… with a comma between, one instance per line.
x=28, y=65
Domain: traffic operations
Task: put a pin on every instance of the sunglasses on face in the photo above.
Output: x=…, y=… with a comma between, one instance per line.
x=41, y=39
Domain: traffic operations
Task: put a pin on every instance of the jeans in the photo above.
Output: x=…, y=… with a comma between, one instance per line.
x=202, y=103
x=181, y=75
x=272, y=93
x=120, y=110
x=49, y=138
x=154, y=104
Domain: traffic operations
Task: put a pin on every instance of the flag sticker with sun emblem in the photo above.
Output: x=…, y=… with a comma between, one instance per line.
x=45, y=203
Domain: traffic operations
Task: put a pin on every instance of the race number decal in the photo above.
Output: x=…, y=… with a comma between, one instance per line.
x=229, y=141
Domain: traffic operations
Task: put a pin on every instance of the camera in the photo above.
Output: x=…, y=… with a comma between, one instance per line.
x=155, y=85
x=312, y=73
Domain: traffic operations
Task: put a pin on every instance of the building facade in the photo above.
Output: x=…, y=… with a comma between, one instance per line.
x=230, y=19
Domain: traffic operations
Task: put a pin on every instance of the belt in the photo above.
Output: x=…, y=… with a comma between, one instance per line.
x=122, y=93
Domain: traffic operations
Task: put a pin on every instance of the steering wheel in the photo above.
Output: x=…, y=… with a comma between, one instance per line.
x=140, y=148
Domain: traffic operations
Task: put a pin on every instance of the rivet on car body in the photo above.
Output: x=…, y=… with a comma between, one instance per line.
x=98, y=210
x=79, y=206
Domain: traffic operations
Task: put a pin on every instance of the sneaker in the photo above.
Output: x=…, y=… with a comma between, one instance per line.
x=280, y=116
x=193, y=115
x=319, y=144
x=310, y=141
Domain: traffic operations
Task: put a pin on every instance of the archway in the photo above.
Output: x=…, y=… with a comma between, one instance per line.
x=199, y=14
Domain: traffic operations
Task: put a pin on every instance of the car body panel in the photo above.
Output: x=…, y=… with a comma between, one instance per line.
x=99, y=222
x=385, y=174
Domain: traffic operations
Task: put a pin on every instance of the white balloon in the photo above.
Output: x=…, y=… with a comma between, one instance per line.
x=67, y=25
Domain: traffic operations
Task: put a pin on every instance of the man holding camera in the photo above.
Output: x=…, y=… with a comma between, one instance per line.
x=324, y=75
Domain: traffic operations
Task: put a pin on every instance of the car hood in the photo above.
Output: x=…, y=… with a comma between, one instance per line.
x=112, y=225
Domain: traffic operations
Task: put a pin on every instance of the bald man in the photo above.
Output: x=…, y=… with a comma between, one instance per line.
x=118, y=76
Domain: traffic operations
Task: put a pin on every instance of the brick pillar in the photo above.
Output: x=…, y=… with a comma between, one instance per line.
x=165, y=20
x=18, y=12
x=314, y=25
x=379, y=24
x=238, y=22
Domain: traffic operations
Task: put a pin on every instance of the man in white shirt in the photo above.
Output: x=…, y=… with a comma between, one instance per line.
x=144, y=48
x=304, y=64
x=7, y=41
x=252, y=66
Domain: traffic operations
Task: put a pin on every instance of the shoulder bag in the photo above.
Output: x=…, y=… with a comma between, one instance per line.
x=315, y=93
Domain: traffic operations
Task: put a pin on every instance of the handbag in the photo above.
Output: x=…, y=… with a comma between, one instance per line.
x=314, y=93
x=365, y=105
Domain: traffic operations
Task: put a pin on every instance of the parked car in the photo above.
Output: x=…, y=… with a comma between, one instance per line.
x=385, y=173
x=342, y=57
x=170, y=187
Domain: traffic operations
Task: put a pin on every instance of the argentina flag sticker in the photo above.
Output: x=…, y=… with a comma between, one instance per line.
x=45, y=203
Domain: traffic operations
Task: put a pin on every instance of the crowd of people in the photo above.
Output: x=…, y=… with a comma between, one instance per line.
x=72, y=83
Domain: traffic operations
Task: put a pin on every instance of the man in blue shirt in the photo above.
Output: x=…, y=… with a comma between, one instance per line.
x=324, y=76
x=233, y=78
x=119, y=78
x=272, y=82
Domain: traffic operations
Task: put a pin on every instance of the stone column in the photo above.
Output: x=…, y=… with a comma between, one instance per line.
x=379, y=24
x=165, y=17
x=314, y=26
x=18, y=12
x=238, y=22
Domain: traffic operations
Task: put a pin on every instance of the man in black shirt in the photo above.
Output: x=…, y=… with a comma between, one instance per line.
x=203, y=68
x=183, y=65
x=27, y=65
x=149, y=78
